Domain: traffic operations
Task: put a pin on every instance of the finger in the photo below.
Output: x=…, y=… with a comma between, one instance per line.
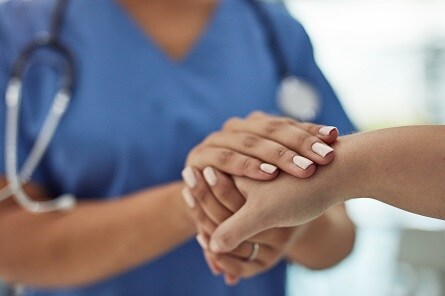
x=244, y=251
x=224, y=190
x=235, y=266
x=231, y=280
x=269, y=151
x=231, y=162
x=203, y=242
x=202, y=221
x=293, y=135
x=204, y=197
x=327, y=134
x=274, y=238
x=236, y=229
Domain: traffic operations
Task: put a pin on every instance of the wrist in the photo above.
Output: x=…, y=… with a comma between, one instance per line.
x=345, y=177
x=184, y=217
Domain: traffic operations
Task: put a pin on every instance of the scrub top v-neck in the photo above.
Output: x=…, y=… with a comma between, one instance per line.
x=136, y=114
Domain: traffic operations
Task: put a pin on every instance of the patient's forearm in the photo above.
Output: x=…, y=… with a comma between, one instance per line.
x=404, y=167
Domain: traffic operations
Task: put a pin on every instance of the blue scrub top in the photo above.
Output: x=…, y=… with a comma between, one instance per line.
x=136, y=114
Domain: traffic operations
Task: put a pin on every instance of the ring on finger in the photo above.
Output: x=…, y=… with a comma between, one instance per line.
x=254, y=254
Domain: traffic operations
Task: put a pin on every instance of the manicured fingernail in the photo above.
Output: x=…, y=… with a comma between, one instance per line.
x=321, y=149
x=210, y=176
x=202, y=242
x=302, y=162
x=215, y=247
x=326, y=130
x=268, y=168
x=188, y=197
x=189, y=177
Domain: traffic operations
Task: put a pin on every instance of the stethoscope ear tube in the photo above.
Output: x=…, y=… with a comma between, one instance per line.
x=41, y=42
x=16, y=179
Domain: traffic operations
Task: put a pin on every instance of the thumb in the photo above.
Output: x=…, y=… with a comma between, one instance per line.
x=236, y=229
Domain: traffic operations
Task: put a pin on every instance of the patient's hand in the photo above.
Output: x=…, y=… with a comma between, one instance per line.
x=254, y=147
x=283, y=202
x=211, y=206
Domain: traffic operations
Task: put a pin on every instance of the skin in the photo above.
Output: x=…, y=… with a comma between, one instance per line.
x=82, y=246
x=319, y=244
x=403, y=167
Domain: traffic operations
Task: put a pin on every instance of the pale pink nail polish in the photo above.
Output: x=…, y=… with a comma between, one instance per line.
x=321, y=149
x=202, y=242
x=268, y=168
x=302, y=162
x=189, y=177
x=326, y=130
x=210, y=176
x=188, y=198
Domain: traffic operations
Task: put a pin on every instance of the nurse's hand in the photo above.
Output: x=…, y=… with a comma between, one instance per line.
x=256, y=146
x=212, y=200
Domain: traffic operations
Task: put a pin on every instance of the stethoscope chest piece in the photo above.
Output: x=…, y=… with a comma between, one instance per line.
x=298, y=99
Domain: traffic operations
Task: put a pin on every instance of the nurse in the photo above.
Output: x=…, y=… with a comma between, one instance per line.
x=154, y=78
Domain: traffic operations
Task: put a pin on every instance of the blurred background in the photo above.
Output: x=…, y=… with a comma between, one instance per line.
x=386, y=60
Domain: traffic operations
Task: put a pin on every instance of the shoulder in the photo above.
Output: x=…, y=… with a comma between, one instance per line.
x=290, y=33
x=281, y=16
x=20, y=20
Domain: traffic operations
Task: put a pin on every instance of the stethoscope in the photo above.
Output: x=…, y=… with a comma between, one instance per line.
x=291, y=92
x=13, y=97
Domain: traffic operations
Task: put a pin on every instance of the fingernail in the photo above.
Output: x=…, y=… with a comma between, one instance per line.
x=210, y=176
x=202, y=242
x=301, y=162
x=188, y=197
x=189, y=177
x=326, y=130
x=215, y=247
x=268, y=168
x=321, y=149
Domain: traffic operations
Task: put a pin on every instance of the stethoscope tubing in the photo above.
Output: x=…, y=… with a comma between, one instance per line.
x=60, y=103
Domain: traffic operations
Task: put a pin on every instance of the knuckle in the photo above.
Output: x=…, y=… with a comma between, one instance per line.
x=212, y=137
x=231, y=123
x=281, y=152
x=196, y=151
x=303, y=138
x=225, y=157
x=250, y=141
x=276, y=125
x=248, y=164
x=255, y=114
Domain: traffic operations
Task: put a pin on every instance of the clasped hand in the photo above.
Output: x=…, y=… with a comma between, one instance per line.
x=235, y=170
